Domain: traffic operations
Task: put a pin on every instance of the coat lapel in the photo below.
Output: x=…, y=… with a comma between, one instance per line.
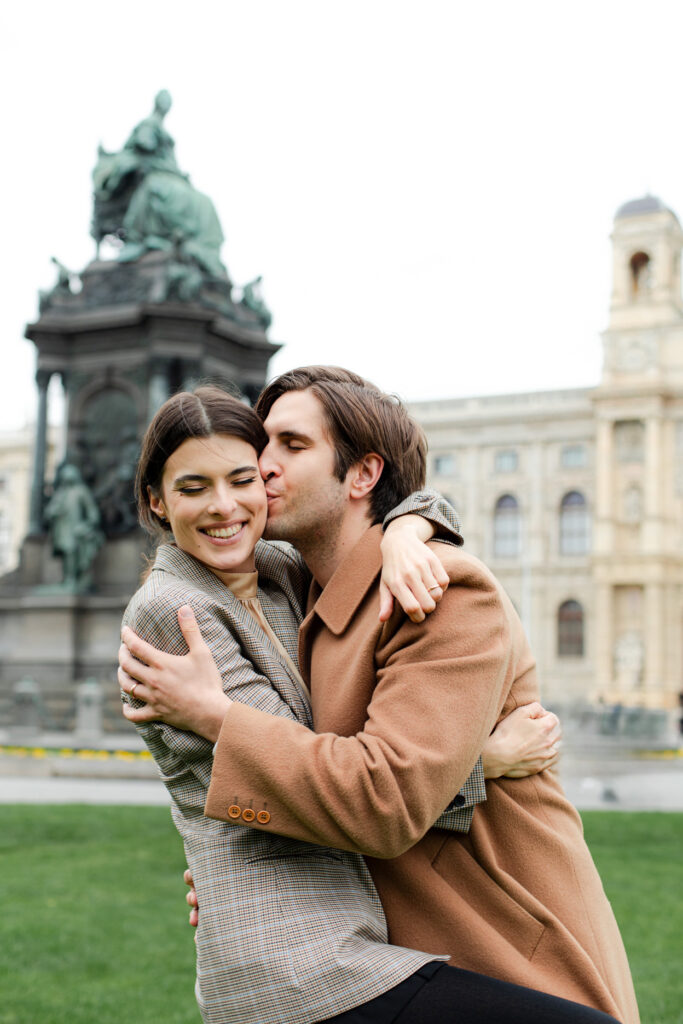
x=338, y=602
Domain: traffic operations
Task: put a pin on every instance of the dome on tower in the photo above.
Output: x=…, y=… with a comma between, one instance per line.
x=646, y=204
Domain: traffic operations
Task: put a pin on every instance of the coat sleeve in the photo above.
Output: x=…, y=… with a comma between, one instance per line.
x=439, y=690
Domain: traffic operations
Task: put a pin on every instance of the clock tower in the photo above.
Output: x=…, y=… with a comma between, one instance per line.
x=644, y=340
x=638, y=408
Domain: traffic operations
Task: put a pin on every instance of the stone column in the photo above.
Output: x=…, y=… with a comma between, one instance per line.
x=158, y=387
x=603, y=643
x=604, y=472
x=654, y=631
x=62, y=452
x=653, y=497
x=191, y=375
x=38, y=482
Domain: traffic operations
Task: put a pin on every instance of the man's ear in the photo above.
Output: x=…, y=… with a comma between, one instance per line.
x=363, y=475
x=156, y=504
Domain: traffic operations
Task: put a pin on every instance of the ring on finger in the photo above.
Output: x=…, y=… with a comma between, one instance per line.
x=131, y=692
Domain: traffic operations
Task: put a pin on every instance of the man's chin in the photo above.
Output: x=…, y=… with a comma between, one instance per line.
x=271, y=531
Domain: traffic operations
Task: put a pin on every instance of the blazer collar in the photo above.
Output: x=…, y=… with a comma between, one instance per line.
x=353, y=577
x=171, y=559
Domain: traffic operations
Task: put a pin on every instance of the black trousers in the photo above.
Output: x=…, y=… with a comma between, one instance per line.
x=439, y=994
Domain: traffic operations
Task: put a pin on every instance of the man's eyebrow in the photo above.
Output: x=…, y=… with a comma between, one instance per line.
x=294, y=435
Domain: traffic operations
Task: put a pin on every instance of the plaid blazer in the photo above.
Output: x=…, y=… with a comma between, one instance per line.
x=289, y=933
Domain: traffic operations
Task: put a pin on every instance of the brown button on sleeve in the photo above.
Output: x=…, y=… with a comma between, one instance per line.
x=248, y=814
x=234, y=811
x=263, y=817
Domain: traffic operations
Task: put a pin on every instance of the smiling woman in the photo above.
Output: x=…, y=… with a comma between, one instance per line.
x=213, y=498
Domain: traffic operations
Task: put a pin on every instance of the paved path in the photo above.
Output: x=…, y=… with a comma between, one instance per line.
x=593, y=779
x=17, y=789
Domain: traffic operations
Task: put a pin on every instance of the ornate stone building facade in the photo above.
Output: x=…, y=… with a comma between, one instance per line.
x=575, y=498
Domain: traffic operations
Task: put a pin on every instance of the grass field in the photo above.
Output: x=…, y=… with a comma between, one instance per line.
x=93, y=929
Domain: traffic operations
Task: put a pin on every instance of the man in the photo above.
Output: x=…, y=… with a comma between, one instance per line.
x=401, y=712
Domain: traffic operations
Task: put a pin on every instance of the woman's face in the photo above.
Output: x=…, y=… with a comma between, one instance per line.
x=213, y=497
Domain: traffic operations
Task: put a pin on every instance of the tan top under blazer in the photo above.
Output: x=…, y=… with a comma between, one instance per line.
x=400, y=712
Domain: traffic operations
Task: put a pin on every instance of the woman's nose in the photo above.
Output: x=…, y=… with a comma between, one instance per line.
x=222, y=503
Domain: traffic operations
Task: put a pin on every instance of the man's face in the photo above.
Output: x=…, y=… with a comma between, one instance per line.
x=305, y=500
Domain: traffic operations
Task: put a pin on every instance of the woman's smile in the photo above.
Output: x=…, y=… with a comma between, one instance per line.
x=214, y=500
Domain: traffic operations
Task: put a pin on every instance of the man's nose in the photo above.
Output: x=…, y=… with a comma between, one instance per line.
x=267, y=465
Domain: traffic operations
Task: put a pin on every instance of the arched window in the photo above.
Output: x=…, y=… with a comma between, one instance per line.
x=640, y=273
x=573, y=524
x=570, y=630
x=506, y=527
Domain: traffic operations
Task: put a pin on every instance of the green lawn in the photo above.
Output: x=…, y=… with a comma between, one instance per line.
x=94, y=930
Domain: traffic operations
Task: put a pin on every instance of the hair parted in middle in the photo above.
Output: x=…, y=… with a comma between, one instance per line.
x=361, y=419
x=206, y=411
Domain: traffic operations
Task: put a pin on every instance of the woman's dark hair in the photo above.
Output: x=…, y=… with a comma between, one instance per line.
x=203, y=412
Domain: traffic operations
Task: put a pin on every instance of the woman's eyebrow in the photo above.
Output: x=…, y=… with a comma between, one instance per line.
x=187, y=478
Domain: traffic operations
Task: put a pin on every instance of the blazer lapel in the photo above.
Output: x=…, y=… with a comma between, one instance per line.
x=256, y=644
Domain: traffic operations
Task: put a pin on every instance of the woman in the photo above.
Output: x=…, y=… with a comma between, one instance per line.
x=288, y=932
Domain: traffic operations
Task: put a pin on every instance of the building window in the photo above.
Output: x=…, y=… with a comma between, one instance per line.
x=444, y=465
x=573, y=524
x=629, y=437
x=641, y=273
x=506, y=527
x=570, y=630
x=632, y=505
x=573, y=456
x=506, y=461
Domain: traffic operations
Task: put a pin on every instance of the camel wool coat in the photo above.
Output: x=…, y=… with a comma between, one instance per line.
x=401, y=712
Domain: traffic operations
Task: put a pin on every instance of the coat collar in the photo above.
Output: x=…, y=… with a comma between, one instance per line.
x=353, y=577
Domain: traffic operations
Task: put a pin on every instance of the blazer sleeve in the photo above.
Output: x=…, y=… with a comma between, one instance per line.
x=440, y=688
x=432, y=506
x=156, y=621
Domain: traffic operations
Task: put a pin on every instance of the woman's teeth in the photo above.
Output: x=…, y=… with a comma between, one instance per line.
x=224, y=531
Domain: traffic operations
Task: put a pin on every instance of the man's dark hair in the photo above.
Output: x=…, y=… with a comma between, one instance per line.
x=360, y=419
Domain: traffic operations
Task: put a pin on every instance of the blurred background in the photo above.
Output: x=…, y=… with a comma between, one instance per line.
x=475, y=206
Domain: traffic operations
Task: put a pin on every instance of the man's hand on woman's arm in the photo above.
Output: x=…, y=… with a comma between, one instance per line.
x=524, y=743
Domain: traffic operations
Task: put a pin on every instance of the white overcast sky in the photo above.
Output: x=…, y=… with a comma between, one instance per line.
x=427, y=187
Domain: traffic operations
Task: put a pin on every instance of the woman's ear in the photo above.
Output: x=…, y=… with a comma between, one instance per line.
x=156, y=504
x=363, y=475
